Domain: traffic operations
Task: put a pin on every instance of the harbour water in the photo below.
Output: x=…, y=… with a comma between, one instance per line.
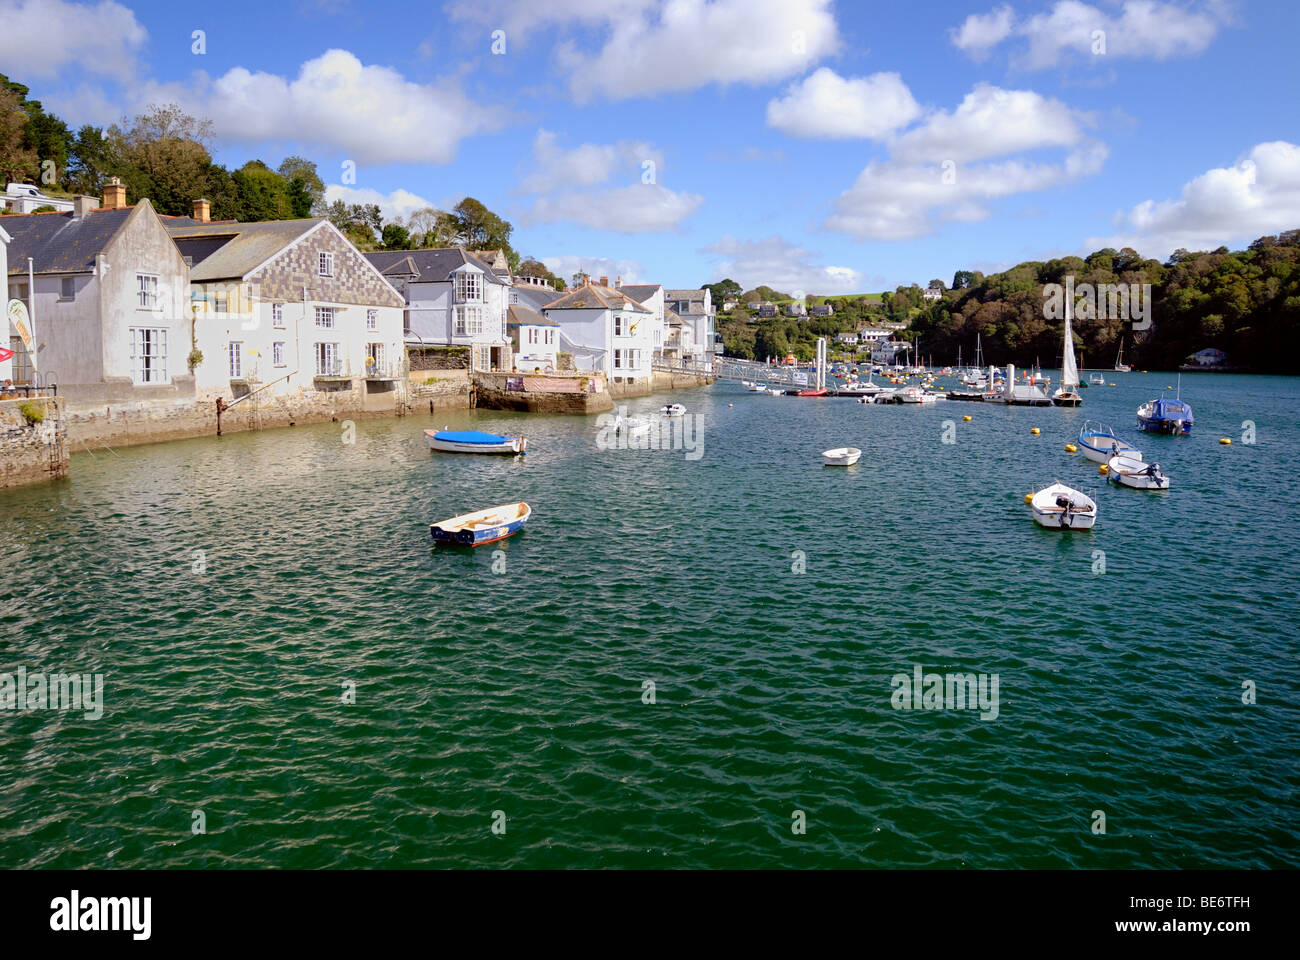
x=232, y=591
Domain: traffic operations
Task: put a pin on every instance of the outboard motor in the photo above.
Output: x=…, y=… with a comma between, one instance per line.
x=1064, y=503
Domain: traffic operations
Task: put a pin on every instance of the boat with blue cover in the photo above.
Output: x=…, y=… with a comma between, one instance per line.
x=1166, y=416
x=1099, y=443
x=482, y=526
x=473, y=441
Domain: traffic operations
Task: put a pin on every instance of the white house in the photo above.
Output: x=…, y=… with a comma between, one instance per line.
x=607, y=330
x=24, y=198
x=288, y=306
x=932, y=293
x=848, y=339
x=650, y=296
x=452, y=298
x=696, y=307
x=109, y=301
x=534, y=339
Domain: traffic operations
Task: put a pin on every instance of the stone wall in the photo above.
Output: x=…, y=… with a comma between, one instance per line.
x=32, y=452
x=490, y=392
x=438, y=358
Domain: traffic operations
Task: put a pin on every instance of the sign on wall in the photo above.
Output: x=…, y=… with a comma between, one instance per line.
x=22, y=323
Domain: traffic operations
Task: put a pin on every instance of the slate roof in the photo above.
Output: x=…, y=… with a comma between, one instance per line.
x=61, y=242
x=694, y=300
x=520, y=315
x=246, y=247
x=427, y=266
x=640, y=292
x=538, y=298
x=595, y=297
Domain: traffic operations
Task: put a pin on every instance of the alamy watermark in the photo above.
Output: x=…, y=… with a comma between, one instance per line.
x=26, y=692
x=1102, y=301
x=952, y=691
x=656, y=431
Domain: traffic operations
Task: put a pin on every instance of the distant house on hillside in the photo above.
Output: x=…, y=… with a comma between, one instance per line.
x=24, y=198
x=766, y=310
x=821, y=310
x=848, y=339
x=795, y=309
x=932, y=293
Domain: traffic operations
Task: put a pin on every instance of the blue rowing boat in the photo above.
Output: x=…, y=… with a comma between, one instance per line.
x=473, y=441
x=482, y=526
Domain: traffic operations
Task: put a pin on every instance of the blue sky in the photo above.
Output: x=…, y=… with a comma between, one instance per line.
x=820, y=147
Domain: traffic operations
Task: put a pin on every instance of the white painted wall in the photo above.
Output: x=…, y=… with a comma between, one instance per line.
x=6, y=366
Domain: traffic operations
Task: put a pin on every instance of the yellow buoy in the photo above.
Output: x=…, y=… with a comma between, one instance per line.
x=731, y=404
x=1029, y=498
x=1035, y=431
x=1225, y=441
x=1103, y=469
x=966, y=418
x=1071, y=448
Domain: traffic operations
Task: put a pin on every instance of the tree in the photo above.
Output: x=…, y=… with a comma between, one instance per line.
x=165, y=158
x=396, y=237
x=431, y=229
x=305, y=187
x=18, y=161
x=963, y=280
x=91, y=161
x=723, y=290
x=43, y=133
x=263, y=193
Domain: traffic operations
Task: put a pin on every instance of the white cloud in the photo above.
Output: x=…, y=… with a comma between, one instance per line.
x=570, y=183
x=781, y=265
x=586, y=165
x=638, y=208
x=992, y=122
x=40, y=39
x=567, y=265
x=937, y=172
x=828, y=105
x=636, y=48
x=397, y=205
x=1142, y=29
x=982, y=32
x=1258, y=195
x=371, y=114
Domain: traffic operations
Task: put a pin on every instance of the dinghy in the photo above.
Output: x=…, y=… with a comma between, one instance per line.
x=482, y=526
x=673, y=410
x=1136, y=473
x=473, y=441
x=841, y=456
x=1059, y=507
x=813, y=393
x=1099, y=443
x=633, y=426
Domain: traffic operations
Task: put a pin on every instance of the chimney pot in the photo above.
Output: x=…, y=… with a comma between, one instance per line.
x=114, y=194
x=202, y=211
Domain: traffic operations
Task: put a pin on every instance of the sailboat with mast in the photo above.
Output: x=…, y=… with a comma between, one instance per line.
x=1068, y=394
x=1120, y=365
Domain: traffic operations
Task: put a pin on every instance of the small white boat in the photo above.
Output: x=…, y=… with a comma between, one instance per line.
x=1098, y=443
x=633, y=426
x=473, y=441
x=841, y=456
x=482, y=526
x=1059, y=507
x=1139, y=474
x=673, y=410
x=758, y=388
x=860, y=388
x=1097, y=379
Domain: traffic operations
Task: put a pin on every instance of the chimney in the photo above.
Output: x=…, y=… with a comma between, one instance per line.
x=604, y=281
x=618, y=282
x=83, y=205
x=114, y=194
x=202, y=211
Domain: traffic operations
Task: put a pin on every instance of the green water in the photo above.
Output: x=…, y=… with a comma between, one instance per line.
x=522, y=691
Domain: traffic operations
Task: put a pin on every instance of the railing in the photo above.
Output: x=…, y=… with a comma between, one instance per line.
x=670, y=365
x=383, y=370
x=333, y=368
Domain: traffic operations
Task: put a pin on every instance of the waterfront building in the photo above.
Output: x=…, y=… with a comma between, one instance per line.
x=6, y=365
x=650, y=296
x=606, y=330
x=696, y=308
x=286, y=306
x=887, y=351
x=108, y=296
x=535, y=340
x=452, y=298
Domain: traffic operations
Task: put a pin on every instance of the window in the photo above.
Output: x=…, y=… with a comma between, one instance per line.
x=374, y=358
x=619, y=326
x=325, y=318
x=22, y=361
x=18, y=291
x=327, y=360
x=277, y=353
x=277, y=315
x=550, y=336
x=514, y=296
x=469, y=286
x=325, y=264
x=236, y=360
x=469, y=321
x=189, y=261
x=372, y=319
x=148, y=354
x=222, y=303
x=618, y=359
x=146, y=291
x=67, y=288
